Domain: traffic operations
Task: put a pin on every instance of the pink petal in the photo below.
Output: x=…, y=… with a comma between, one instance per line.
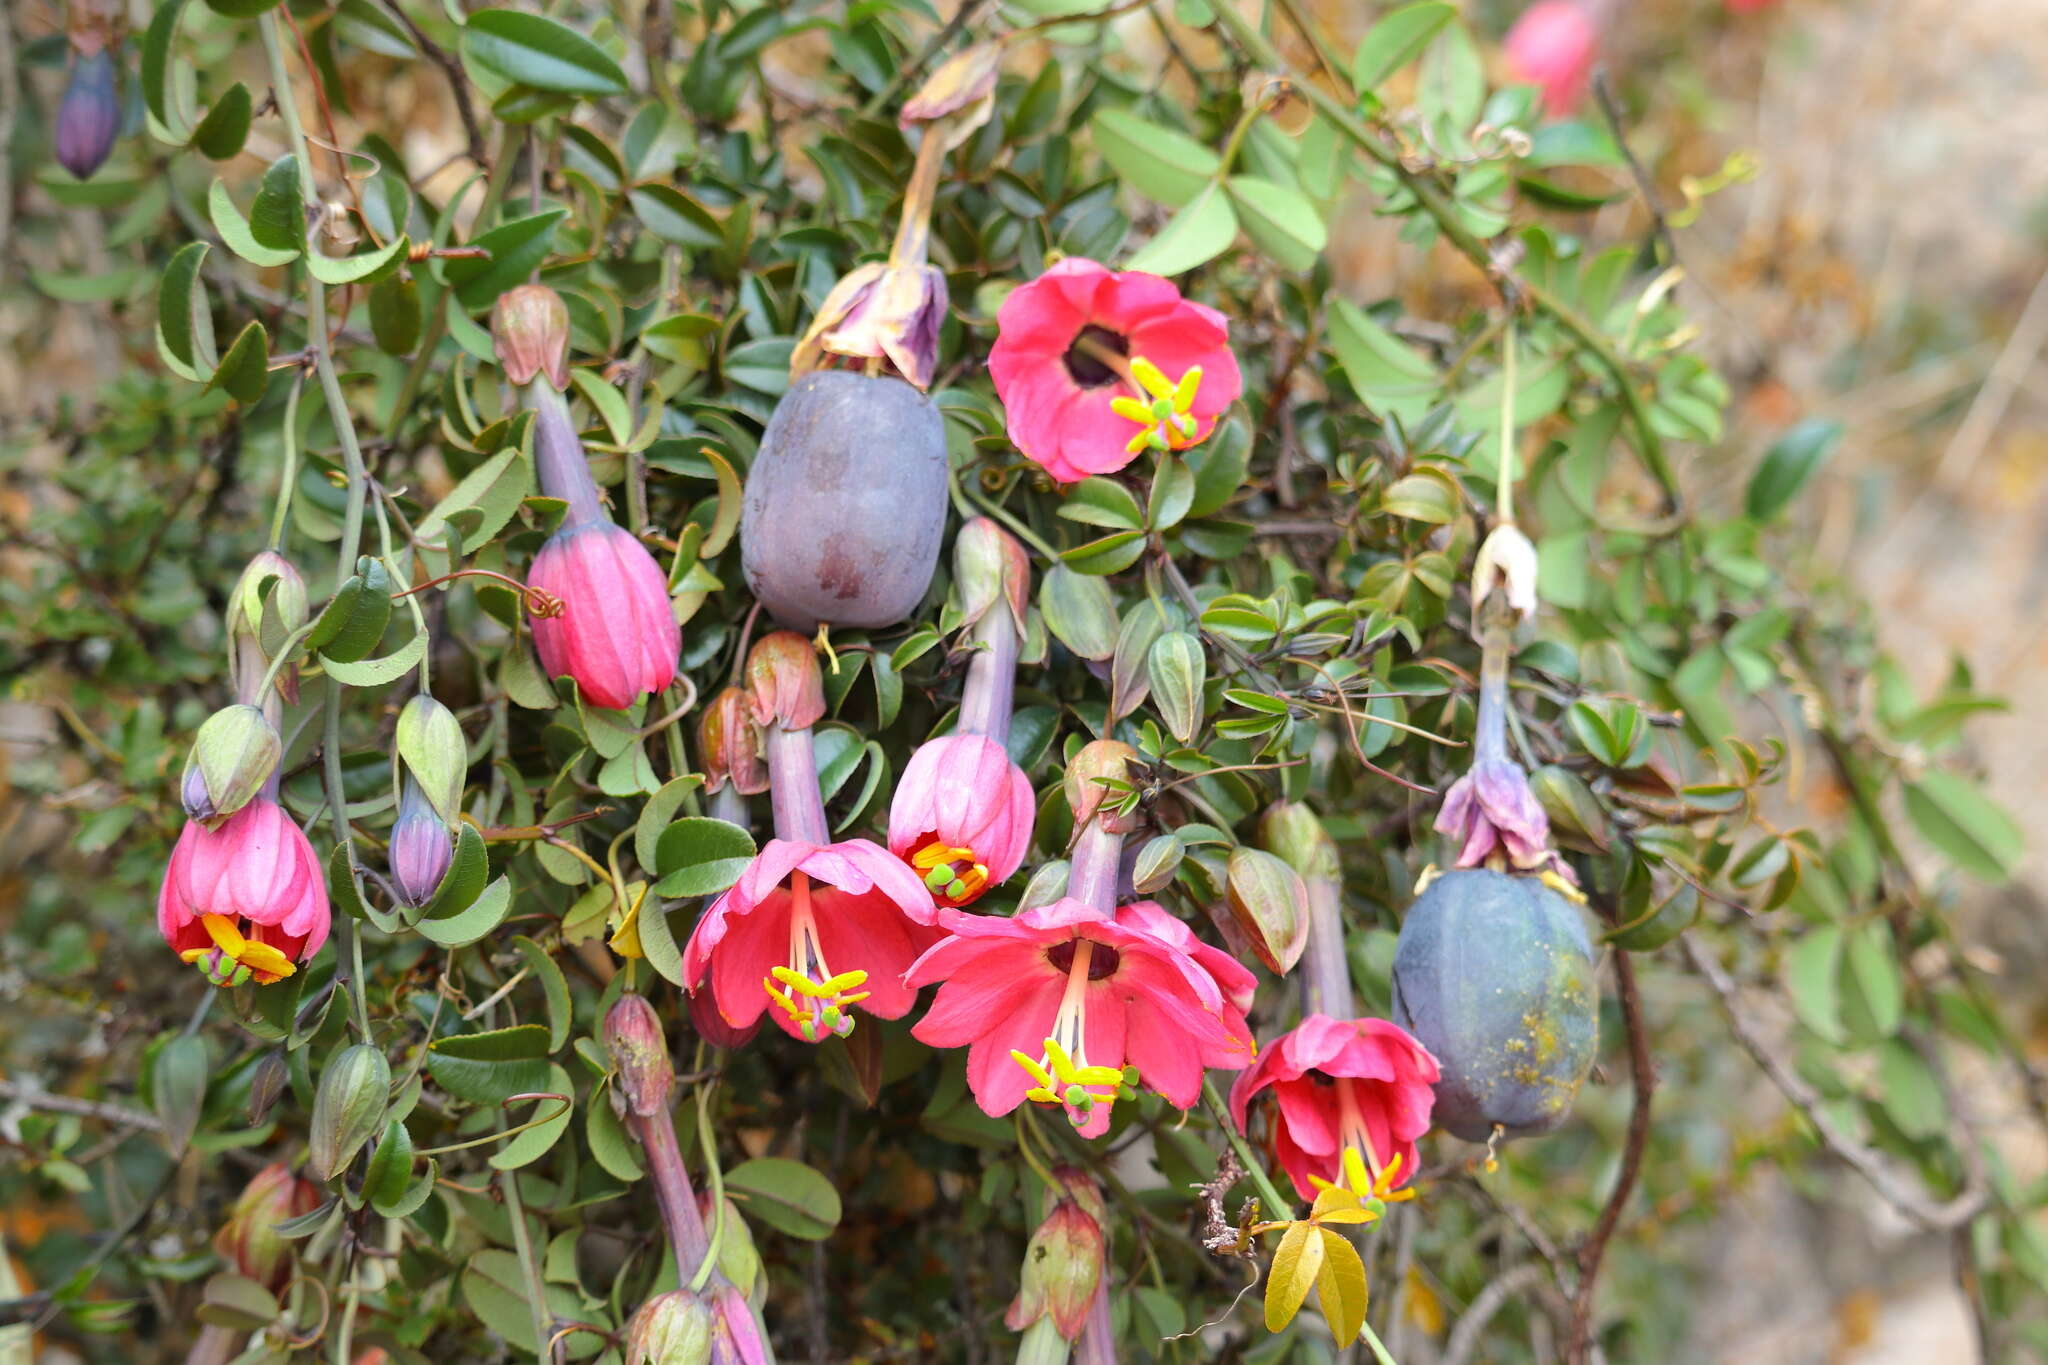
x=755, y=944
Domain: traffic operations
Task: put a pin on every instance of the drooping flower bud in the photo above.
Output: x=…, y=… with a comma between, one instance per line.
x=729, y=745
x=1268, y=908
x=234, y=754
x=675, y=1328
x=990, y=566
x=89, y=118
x=530, y=333
x=639, y=1048
x=421, y=847
x=1063, y=1262
x=432, y=751
x=249, y=1240
x=784, y=685
x=348, y=1108
x=1102, y=761
x=267, y=605
x=964, y=80
x=1506, y=563
x=879, y=311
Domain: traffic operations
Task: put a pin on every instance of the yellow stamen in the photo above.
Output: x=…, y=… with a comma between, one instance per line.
x=1165, y=419
x=816, y=999
x=264, y=961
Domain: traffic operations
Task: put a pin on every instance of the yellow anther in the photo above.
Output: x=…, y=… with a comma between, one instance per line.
x=1165, y=420
x=1037, y=1072
x=819, y=990
x=263, y=959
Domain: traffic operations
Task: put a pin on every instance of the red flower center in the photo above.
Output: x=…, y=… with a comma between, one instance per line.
x=1084, y=359
x=1101, y=963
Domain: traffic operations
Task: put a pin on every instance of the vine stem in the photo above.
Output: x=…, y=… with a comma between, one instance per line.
x=290, y=474
x=1643, y=1082
x=1431, y=196
x=347, y=950
x=1504, y=483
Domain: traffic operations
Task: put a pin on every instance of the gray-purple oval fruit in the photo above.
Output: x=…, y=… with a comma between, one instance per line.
x=846, y=502
x=1494, y=975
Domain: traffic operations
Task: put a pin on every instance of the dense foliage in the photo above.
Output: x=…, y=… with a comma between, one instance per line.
x=1282, y=611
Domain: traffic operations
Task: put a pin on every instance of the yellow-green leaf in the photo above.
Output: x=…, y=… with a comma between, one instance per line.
x=1295, y=1267
x=1340, y=1287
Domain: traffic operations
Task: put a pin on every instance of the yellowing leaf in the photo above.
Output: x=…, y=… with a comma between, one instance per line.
x=1335, y=1199
x=1295, y=1266
x=1340, y=1287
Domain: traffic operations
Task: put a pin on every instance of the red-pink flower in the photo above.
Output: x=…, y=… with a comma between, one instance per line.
x=616, y=634
x=1054, y=1003
x=1553, y=45
x=1354, y=1095
x=1232, y=978
x=1069, y=345
x=247, y=900
x=961, y=816
x=815, y=929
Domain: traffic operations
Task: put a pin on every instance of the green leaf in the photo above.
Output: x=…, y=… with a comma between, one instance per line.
x=1389, y=374
x=378, y=672
x=1173, y=493
x=553, y=984
x=484, y=914
x=365, y=265
x=241, y=9
x=1281, y=221
x=1079, y=612
x=1158, y=162
x=364, y=24
x=245, y=370
x=657, y=814
x=675, y=217
x=1428, y=495
x=184, y=323
x=177, y=1087
x=554, y=1115
x=1397, y=39
x=786, y=1195
x=517, y=248
x=395, y=315
x=1177, y=668
x=699, y=856
x=490, y=1068
x=1296, y=1264
x=527, y=49
x=1792, y=459
x=156, y=65
x=1810, y=976
x=1106, y=555
x=1971, y=829
x=234, y=230
x=1871, y=982
x=1103, y=502
x=225, y=128
x=278, y=217
x=1196, y=234
x=388, y=1173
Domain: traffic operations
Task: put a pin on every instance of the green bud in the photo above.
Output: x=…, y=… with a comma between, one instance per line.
x=348, y=1109
x=1104, y=760
x=1158, y=860
x=675, y=1328
x=430, y=743
x=236, y=751
x=268, y=588
x=1268, y=908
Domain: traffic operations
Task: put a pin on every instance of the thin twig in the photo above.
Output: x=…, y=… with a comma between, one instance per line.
x=106, y=1111
x=1643, y=1078
x=1465, y=1333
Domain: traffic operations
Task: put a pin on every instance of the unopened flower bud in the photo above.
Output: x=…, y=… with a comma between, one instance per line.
x=530, y=333
x=421, y=848
x=348, y=1108
x=729, y=745
x=1268, y=907
x=1155, y=864
x=639, y=1048
x=1102, y=761
x=1063, y=1265
x=1291, y=831
x=675, y=1328
x=989, y=566
x=89, y=118
x=234, y=754
x=784, y=685
x=249, y=1240
x=268, y=584
x=433, y=752
x=1507, y=562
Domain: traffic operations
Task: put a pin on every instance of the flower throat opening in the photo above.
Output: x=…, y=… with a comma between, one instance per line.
x=1061, y=1074
x=1089, y=369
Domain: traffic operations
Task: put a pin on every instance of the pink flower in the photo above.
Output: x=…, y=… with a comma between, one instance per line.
x=1553, y=45
x=1052, y=1004
x=962, y=816
x=616, y=634
x=1068, y=346
x=1232, y=977
x=816, y=929
x=247, y=900
x=1354, y=1095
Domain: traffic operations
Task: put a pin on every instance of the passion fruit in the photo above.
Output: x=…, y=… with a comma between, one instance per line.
x=846, y=502
x=1493, y=973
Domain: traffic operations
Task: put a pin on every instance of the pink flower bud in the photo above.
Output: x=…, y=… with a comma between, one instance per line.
x=616, y=634
x=990, y=566
x=1554, y=45
x=783, y=681
x=421, y=848
x=964, y=79
x=729, y=745
x=675, y=1328
x=1102, y=761
x=89, y=118
x=1063, y=1265
x=530, y=333
x=962, y=816
x=249, y=1240
x=639, y=1048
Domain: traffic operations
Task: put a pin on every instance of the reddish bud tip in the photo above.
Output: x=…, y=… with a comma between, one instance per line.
x=639, y=1048
x=784, y=685
x=729, y=745
x=530, y=332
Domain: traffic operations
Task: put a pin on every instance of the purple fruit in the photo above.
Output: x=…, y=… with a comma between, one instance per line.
x=1493, y=974
x=89, y=117
x=846, y=502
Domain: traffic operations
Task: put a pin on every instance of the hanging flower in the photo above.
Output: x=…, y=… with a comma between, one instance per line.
x=249, y=1240
x=1079, y=338
x=1554, y=45
x=814, y=929
x=962, y=816
x=1353, y=1096
x=1054, y=1003
x=616, y=634
x=246, y=901
x=1064, y=1262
